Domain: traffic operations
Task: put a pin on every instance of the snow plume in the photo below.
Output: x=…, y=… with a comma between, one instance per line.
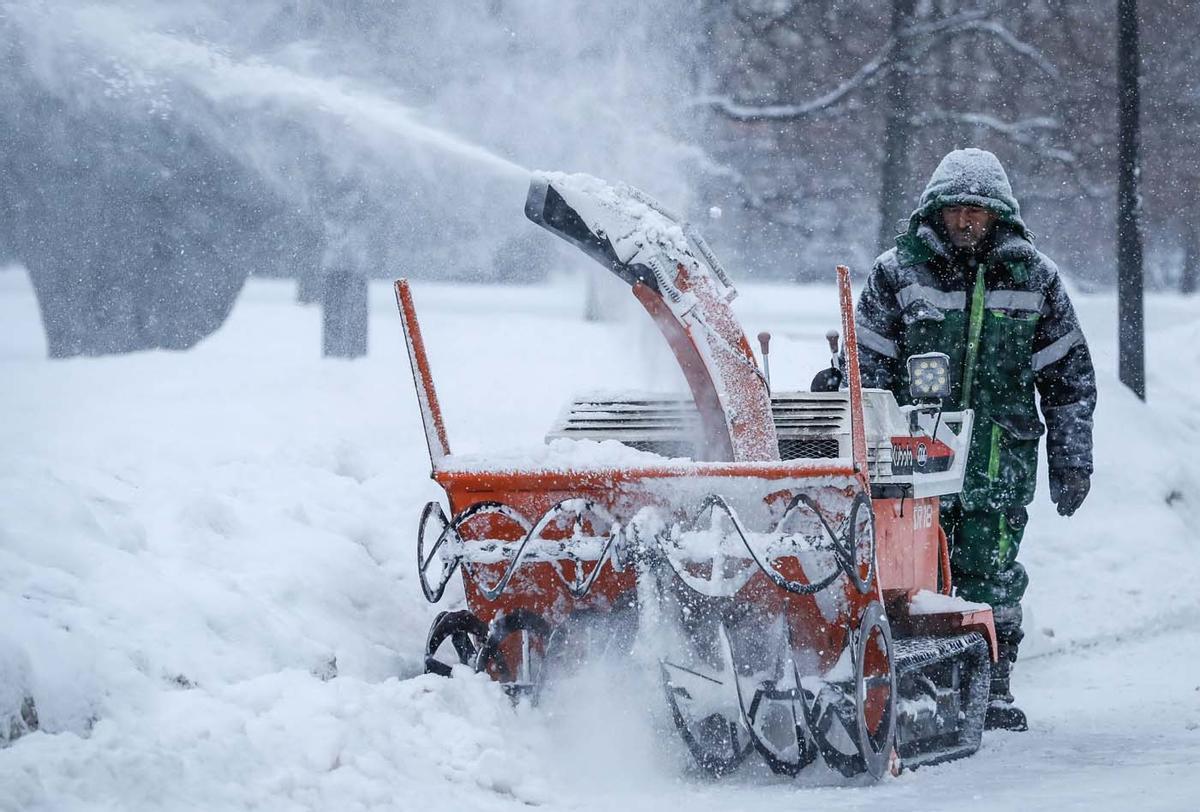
x=163, y=151
x=412, y=124
x=605, y=720
x=251, y=82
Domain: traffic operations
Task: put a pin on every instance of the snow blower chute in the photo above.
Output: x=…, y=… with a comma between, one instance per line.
x=790, y=539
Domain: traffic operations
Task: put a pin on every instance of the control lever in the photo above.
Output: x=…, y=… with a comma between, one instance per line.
x=764, y=344
x=832, y=338
x=829, y=380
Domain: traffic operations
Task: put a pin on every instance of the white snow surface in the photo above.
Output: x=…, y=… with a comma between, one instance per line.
x=933, y=603
x=559, y=454
x=193, y=544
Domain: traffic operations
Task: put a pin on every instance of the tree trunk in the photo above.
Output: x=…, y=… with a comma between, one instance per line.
x=1130, y=314
x=308, y=287
x=951, y=134
x=344, y=302
x=591, y=298
x=897, y=135
x=1189, y=278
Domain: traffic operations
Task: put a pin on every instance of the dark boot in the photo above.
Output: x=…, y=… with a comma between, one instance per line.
x=1002, y=712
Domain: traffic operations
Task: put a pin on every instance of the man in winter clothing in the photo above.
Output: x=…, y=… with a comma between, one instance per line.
x=965, y=279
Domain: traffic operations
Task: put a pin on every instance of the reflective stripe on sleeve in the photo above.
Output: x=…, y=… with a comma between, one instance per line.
x=1014, y=300
x=1057, y=350
x=945, y=299
x=874, y=341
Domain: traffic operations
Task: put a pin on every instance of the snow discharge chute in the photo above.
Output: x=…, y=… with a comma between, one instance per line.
x=685, y=290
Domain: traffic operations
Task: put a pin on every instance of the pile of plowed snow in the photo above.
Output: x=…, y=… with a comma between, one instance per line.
x=207, y=558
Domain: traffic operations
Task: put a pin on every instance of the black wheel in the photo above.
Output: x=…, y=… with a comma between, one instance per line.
x=532, y=633
x=466, y=633
x=955, y=673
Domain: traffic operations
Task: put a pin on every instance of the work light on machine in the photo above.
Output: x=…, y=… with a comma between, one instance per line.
x=929, y=376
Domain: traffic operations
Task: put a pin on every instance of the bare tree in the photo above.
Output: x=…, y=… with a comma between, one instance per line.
x=891, y=91
x=897, y=129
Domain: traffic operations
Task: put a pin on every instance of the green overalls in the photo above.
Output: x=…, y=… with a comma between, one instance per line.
x=990, y=342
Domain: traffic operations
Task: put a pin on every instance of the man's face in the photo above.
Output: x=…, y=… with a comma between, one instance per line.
x=967, y=225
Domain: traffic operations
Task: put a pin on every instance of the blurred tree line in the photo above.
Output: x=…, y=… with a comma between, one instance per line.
x=833, y=114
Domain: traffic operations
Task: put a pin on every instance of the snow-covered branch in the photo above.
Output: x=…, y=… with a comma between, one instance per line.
x=974, y=24
x=951, y=23
x=750, y=112
x=712, y=167
x=1022, y=131
x=911, y=40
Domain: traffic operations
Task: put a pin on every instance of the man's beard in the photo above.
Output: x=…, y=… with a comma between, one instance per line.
x=976, y=249
x=966, y=243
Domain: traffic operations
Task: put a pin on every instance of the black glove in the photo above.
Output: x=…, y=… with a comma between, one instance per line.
x=827, y=380
x=1068, y=488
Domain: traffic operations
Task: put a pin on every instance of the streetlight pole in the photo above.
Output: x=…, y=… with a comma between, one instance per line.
x=1130, y=307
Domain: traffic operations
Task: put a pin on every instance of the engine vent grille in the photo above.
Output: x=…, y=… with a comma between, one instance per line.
x=664, y=448
x=810, y=448
x=809, y=425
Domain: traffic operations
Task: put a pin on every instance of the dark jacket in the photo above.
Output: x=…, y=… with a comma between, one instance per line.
x=924, y=296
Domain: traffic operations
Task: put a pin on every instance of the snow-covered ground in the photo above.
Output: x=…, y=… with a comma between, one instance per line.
x=193, y=545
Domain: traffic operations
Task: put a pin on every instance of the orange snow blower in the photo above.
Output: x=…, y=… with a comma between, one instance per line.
x=789, y=541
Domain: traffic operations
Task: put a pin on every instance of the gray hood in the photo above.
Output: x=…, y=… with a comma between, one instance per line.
x=970, y=177
x=965, y=177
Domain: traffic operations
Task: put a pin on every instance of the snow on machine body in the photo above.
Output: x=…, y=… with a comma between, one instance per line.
x=790, y=539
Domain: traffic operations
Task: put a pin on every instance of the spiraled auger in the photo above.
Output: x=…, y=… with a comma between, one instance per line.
x=527, y=551
x=466, y=632
x=783, y=690
x=789, y=719
x=850, y=721
x=844, y=545
x=478, y=644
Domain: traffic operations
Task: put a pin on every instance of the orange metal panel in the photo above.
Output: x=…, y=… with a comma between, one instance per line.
x=431, y=410
x=717, y=443
x=858, y=437
x=907, y=541
x=506, y=480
